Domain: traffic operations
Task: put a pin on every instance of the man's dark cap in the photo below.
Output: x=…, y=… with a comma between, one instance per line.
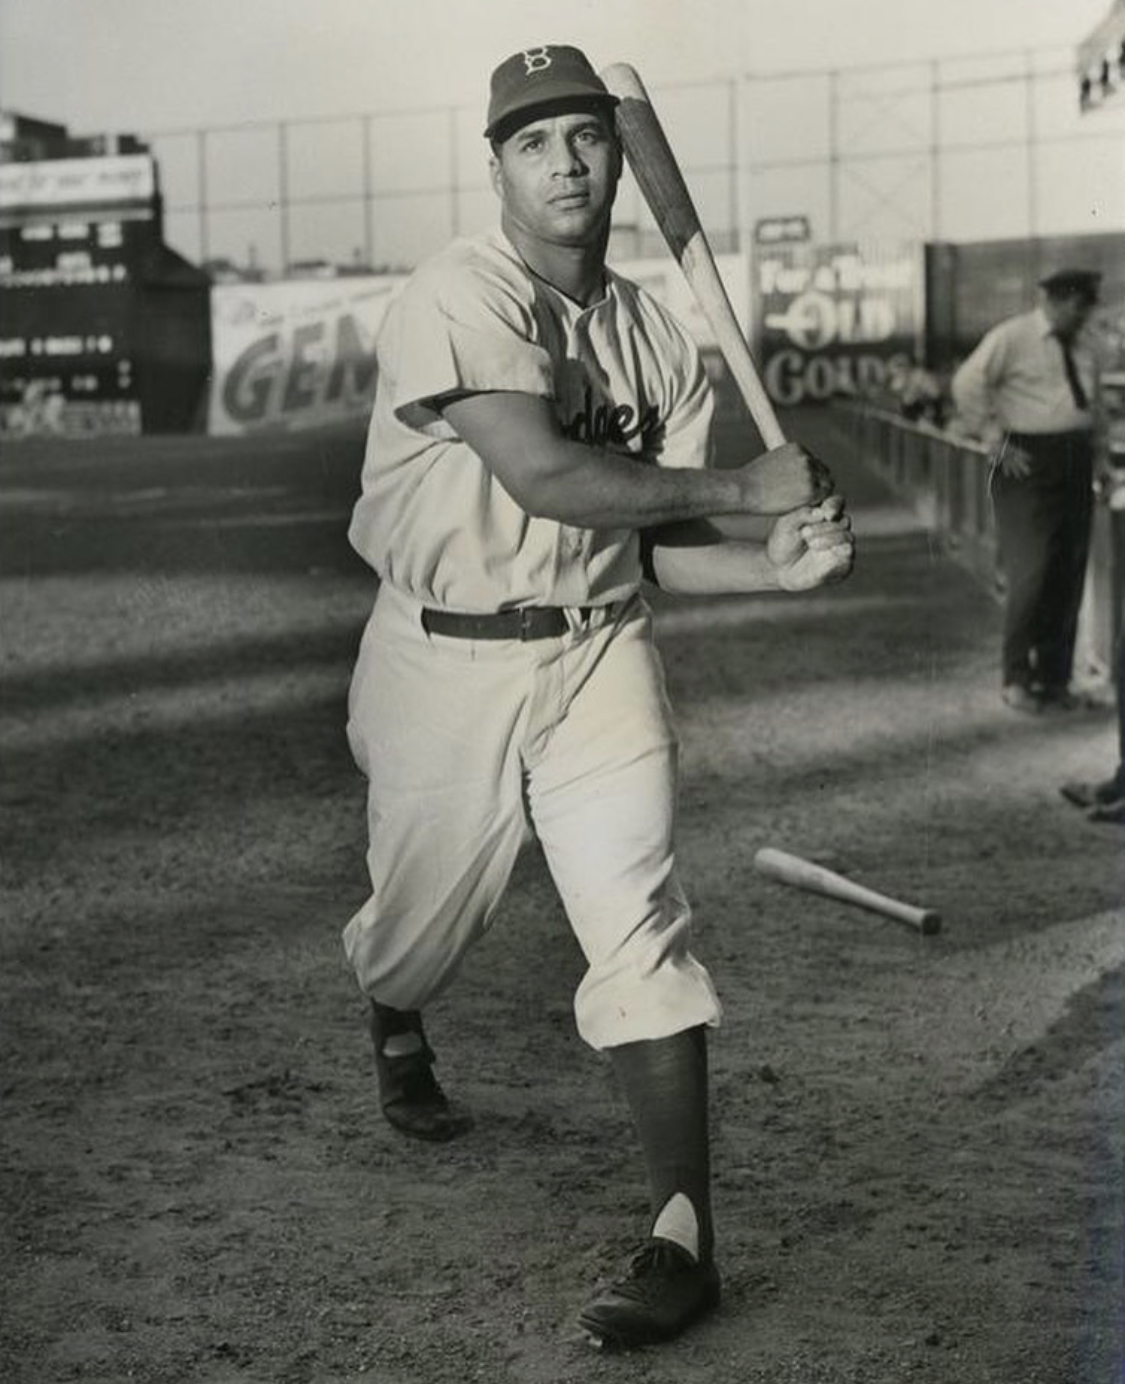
x=1065, y=282
x=551, y=75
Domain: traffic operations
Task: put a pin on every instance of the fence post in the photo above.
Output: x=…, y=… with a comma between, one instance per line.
x=201, y=162
x=732, y=167
x=454, y=171
x=833, y=156
x=1032, y=138
x=935, y=150
x=283, y=190
x=368, y=198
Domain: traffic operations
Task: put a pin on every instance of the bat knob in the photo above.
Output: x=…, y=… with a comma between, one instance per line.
x=822, y=479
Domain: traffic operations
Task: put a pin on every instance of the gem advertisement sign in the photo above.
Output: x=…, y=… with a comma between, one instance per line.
x=294, y=355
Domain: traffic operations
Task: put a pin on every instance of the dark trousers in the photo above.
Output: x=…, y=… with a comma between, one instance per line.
x=1121, y=706
x=1043, y=528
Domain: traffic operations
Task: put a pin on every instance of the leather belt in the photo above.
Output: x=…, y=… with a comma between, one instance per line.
x=528, y=622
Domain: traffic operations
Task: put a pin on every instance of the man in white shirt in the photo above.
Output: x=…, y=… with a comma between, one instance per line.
x=539, y=443
x=1030, y=390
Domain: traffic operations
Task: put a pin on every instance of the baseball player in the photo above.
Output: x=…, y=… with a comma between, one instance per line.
x=538, y=444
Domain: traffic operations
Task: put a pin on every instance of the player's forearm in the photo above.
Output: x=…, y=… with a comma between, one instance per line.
x=598, y=489
x=710, y=565
x=809, y=547
x=551, y=476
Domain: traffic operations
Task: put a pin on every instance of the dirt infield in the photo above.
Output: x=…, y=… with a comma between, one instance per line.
x=918, y=1141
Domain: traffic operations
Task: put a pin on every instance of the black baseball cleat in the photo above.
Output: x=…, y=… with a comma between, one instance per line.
x=664, y=1291
x=409, y=1094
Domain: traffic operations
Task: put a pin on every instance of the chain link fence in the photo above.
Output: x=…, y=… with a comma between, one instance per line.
x=954, y=149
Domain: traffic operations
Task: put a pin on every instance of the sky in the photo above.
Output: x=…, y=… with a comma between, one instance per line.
x=148, y=64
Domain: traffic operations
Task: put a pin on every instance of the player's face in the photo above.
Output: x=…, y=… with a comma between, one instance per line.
x=557, y=177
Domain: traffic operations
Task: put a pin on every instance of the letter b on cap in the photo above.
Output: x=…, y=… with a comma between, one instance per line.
x=536, y=59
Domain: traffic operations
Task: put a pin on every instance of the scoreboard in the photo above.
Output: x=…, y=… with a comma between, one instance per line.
x=74, y=234
x=96, y=313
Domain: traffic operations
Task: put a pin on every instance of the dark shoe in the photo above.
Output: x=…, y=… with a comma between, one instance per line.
x=1059, y=699
x=1020, y=698
x=409, y=1093
x=1112, y=811
x=664, y=1291
x=1084, y=794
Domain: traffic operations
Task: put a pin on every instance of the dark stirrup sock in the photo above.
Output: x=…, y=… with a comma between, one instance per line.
x=409, y=1093
x=665, y=1082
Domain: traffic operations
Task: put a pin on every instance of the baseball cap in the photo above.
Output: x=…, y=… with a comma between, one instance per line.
x=554, y=72
x=1063, y=282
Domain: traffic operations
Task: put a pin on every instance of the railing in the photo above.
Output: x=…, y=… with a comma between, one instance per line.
x=945, y=479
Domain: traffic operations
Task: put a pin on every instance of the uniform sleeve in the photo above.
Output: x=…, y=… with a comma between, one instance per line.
x=461, y=330
x=685, y=438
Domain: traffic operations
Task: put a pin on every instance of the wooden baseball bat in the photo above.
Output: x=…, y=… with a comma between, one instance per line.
x=804, y=874
x=658, y=175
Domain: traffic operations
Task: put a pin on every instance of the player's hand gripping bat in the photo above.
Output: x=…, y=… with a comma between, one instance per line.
x=659, y=177
x=805, y=874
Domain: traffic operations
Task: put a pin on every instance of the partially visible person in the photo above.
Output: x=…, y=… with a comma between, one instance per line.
x=1104, y=801
x=1030, y=391
x=922, y=399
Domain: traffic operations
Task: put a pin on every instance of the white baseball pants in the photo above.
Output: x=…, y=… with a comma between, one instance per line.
x=467, y=746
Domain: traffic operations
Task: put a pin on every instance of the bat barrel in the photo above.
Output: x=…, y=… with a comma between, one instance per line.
x=661, y=181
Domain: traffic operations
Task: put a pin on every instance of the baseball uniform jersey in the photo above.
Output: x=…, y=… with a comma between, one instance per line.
x=622, y=373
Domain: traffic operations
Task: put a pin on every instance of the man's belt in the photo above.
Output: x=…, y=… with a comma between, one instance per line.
x=528, y=622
